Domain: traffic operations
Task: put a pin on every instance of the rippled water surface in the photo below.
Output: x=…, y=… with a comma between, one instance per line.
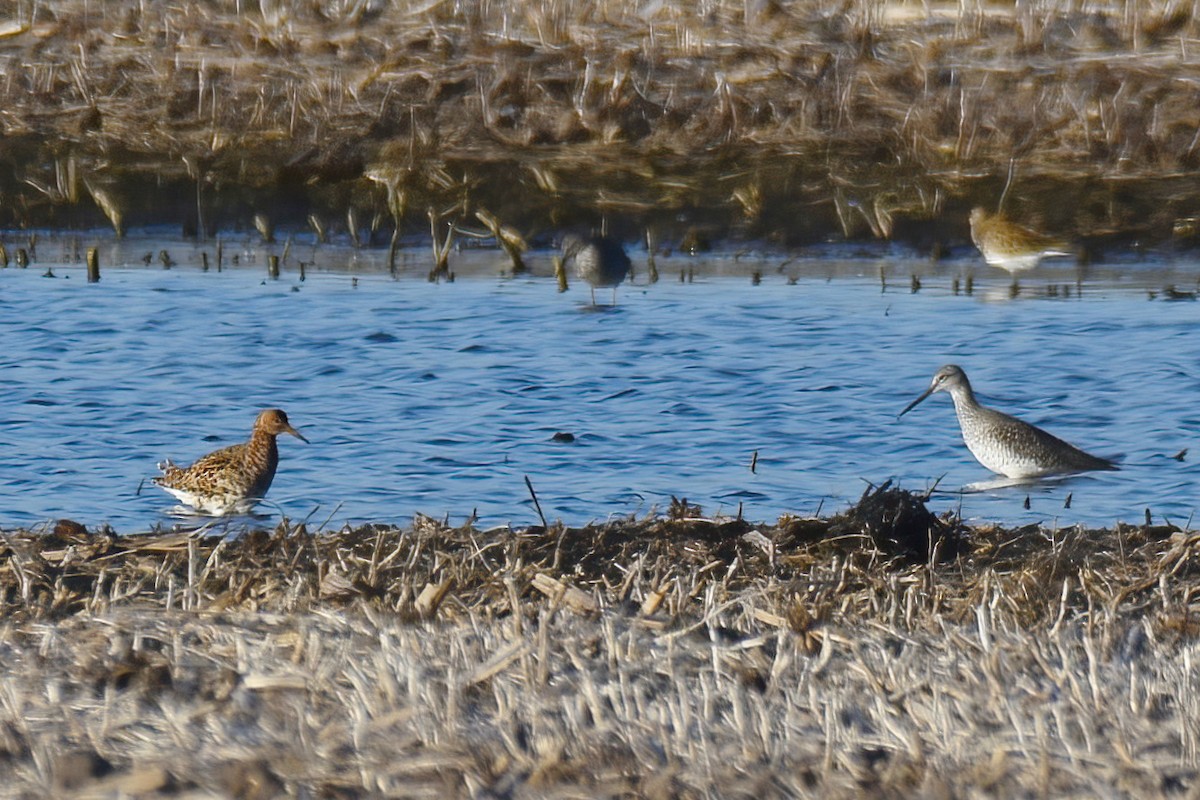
x=442, y=398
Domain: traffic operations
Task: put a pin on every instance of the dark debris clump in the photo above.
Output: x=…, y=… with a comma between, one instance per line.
x=898, y=523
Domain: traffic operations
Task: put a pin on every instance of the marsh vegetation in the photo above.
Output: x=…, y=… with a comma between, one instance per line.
x=788, y=122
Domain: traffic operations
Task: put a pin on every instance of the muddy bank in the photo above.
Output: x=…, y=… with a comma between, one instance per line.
x=785, y=122
x=882, y=649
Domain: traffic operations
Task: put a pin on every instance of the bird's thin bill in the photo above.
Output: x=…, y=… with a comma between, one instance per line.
x=913, y=404
x=297, y=434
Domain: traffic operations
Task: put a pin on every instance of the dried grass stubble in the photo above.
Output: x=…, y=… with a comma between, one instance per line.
x=605, y=706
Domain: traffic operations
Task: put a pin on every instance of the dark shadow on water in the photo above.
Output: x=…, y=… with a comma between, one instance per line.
x=598, y=308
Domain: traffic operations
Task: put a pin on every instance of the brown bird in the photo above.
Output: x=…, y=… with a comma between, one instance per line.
x=232, y=479
x=1010, y=246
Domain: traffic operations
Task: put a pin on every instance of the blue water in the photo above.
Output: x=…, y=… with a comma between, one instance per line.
x=441, y=398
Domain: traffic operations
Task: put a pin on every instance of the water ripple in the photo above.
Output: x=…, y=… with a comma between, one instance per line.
x=442, y=399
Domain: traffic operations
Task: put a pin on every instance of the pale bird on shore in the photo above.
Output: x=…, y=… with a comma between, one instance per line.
x=232, y=479
x=1010, y=246
x=1005, y=444
x=599, y=260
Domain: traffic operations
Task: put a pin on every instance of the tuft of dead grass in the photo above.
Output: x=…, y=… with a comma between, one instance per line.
x=672, y=657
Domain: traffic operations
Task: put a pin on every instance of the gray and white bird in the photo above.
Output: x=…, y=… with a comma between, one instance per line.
x=1005, y=444
x=599, y=260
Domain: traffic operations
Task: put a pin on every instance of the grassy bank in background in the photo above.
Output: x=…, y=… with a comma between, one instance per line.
x=789, y=122
x=881, y=651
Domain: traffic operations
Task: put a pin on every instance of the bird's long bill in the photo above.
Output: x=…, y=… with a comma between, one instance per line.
x=913, y=404
x=560, y=273
x=297, y=434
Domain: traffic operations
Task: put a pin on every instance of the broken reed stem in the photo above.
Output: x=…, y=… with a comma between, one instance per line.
x=441, y=247
x=93, y=265
x=536, y=504
x=509, y=240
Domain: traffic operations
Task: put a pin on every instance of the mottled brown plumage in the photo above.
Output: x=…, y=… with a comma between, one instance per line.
x=233, y=478
x=1010, y=246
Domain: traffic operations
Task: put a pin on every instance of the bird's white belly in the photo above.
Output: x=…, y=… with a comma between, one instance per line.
x=1015, y=263
x=214, y=505
x=1004, y=461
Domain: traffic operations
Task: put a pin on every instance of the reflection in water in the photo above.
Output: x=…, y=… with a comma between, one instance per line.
x=1002, y=482
x=442, y=399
